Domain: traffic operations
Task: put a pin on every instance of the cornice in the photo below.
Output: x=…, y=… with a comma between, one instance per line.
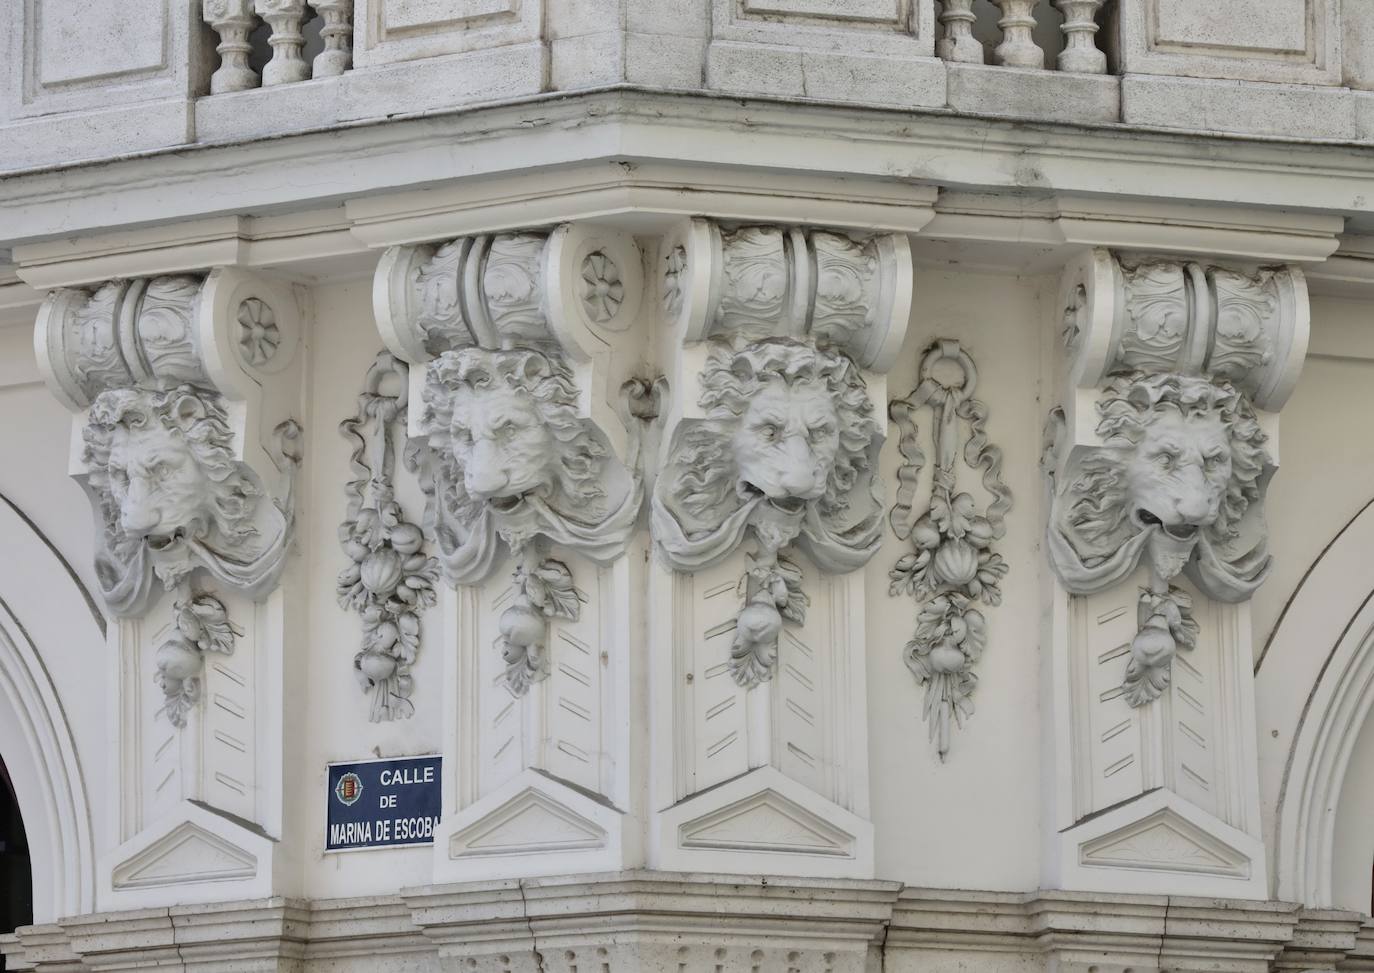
x=632, y=127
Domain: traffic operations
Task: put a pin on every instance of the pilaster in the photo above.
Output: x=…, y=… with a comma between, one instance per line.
x=1159, y=458
x=185, y=391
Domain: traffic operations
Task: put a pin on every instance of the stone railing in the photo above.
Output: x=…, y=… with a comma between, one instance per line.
x=1018, y=47
x=235, y=21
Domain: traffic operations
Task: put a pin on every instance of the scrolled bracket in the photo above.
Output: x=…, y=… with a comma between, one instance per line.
x=515, y=342
x=1163, y=448
x=777, y=342
x=182, y=385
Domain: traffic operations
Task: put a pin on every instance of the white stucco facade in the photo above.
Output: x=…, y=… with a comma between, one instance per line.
x=836, y=485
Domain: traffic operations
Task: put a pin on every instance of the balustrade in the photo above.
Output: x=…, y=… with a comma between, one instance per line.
x=1018, y=47
x=235, y=20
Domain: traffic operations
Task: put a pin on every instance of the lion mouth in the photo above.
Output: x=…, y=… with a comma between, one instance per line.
x=161, y=542
x=1180, y=532
x=788, y=505
x=508, y=504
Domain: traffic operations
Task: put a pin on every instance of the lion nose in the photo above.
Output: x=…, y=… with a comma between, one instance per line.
x=138, y=515
x=1193, y=505
x=484, y=476
x=800, y=476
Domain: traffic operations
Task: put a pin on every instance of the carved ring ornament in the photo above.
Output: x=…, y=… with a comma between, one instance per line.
x=1160, y=455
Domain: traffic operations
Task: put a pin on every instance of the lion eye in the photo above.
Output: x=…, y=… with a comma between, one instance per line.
x=1166, y=460
x=770, y=432
x=820, y=434
x=1213, y=461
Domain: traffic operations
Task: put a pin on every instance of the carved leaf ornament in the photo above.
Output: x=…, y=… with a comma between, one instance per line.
x=952, y=565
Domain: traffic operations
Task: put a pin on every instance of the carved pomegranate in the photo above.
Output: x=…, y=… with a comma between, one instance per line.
x=377, y=666
x=521, y=625
x=758, y=623
x=406, y=538
x=178, y=659
x=956, y=562
x=382, y=571
x=946, y=657
x=1153, y=645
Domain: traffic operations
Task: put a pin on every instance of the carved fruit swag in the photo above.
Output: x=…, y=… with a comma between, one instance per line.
x=952, y=564
x=202, y=625
x=389, y=580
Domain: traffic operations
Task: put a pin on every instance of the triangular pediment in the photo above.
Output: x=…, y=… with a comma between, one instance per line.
x=1165, y=841
x=529, y=822
x=769, y=822
x=187, y=853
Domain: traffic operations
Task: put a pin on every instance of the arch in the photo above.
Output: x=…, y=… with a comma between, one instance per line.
x=42, y=602
x=1314, y=688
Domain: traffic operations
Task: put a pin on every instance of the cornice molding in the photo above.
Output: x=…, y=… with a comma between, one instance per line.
x=635, y=128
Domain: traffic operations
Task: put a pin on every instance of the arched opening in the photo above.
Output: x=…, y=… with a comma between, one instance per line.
x=16, y=872
x=1314, y=695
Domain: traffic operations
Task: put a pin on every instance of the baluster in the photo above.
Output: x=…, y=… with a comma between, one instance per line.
x=337, y=32
x=958, y=42
x=232, y=20
x=1018, y=48
x=285, y=18
x=1080, y=51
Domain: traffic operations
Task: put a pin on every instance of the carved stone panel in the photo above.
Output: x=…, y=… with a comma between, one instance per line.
x=1297, y=43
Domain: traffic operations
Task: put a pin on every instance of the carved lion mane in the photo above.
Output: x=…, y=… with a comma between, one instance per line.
x=575, y=465
x=1131, y=404
x=710, y=480
x=188, y=415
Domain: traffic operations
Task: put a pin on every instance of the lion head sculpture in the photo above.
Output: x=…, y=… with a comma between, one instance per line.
x=163, y=471
x=509, y=457
x=505, y=428
x=1183, y=460
x=787, y=425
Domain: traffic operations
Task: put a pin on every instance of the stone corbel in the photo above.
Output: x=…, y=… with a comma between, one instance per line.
x=185, y=390
x=765, y=507
x=1159, y=459
x=184, y=401
x=521, y=355
x=779, y=339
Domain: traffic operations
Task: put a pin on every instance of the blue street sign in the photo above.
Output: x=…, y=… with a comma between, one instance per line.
x=383, y=803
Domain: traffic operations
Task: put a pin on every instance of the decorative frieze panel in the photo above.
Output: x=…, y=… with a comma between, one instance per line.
x=765, y=505
x=185, y=390
x=1159, y=459
x=1297, y=43
x=519, y=345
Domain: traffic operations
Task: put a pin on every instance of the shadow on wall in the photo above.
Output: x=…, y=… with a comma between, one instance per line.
x=16, y=876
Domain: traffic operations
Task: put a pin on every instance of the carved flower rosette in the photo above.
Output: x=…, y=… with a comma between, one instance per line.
x=951, y=566
x=389, y=580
